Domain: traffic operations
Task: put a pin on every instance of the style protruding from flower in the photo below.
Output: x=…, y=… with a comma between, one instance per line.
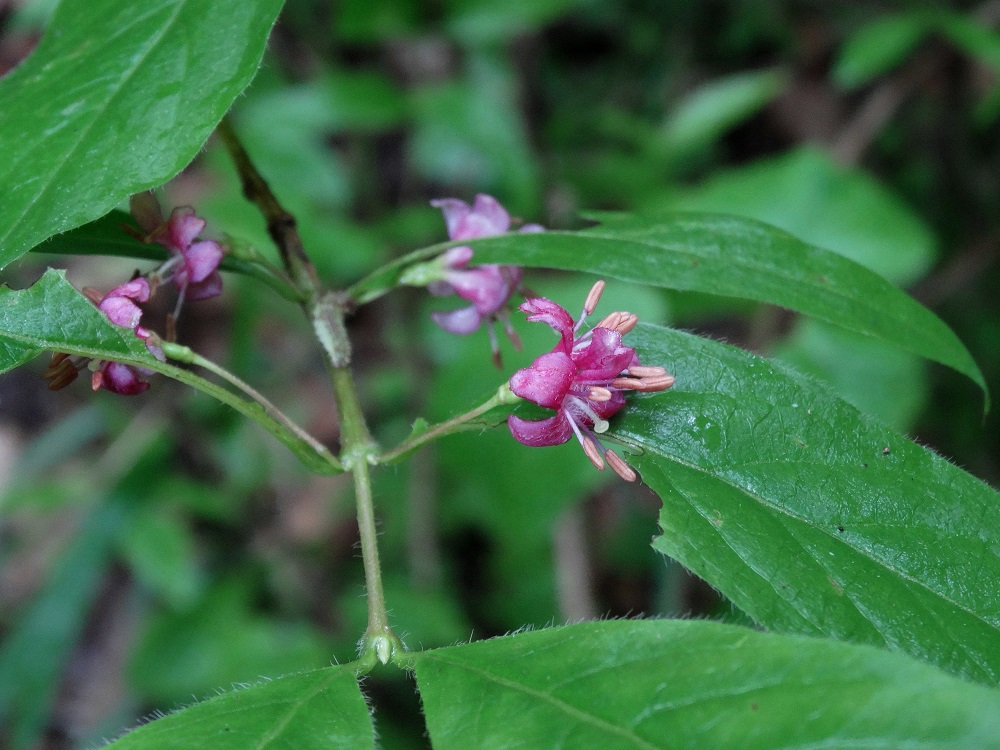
x=584, y=379
x=488, y=287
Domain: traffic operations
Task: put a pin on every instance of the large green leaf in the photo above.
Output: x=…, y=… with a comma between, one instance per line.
x=673, y=684
x=812, y=517
x=322, y=710
x=52, y=315
x=729, y=256
x=117, y=98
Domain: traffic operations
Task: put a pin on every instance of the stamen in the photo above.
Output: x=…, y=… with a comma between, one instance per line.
x=590, y=448
x=619, y=466
x=599, y=394
x=645, y=371
x=590, y=304
x=93, y=295
x=494, y=346
x=628, y=384
x=657, y=384
x=611, y=321
x=628, y=323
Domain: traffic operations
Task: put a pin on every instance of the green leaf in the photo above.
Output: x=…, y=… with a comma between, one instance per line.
x=811, y=517
x=54, y=316
x=117, y=98
x=321, y=709
x=807, y=194
x=714, y=108
x=880, y=46
x=675, y=684
x=737, y=257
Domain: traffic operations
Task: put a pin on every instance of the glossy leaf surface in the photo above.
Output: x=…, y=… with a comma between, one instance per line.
x=117, y=98
x=811, y=517
x=732, y=257
x=53, y=316
x=675, y=684
x=321, y=709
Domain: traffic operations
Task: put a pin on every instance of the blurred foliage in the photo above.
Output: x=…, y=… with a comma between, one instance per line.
x=169, y=539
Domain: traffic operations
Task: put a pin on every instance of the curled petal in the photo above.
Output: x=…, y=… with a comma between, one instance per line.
x=121, y=311
x=462, y=321
x=119, y=378
x=182, y=228
x=547, y=381
x=454, y=212
x=486, y=287
x=488, y=217
x=552, y=431
x=457, y=257
x=547, y=311
x=201, y=260
x=605, y=357
x=209, y=287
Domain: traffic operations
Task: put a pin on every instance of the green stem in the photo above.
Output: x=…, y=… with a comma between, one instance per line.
x=502, y=397
x=311, y=452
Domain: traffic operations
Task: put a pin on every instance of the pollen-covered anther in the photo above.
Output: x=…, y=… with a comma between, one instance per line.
x=619, y=467
x=590, y=448
x=611, y=320
x=629, y=321
x=645, y=371
x=599, y=393
x=593, y=298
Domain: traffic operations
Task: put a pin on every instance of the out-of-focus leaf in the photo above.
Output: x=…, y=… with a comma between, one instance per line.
x=973, y=37
x=311, y=711
x=715, y=107
x=42, y=638
x=159, y=549
x=54, y=316
x=116, y=99
x=880, y=46
x=373, y=20
x=811, y=517
x=838, y=208
x=481, y=22
x=677, y=684
x=219, y=642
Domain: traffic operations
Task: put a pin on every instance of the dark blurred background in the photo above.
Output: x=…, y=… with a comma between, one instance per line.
x=155, y=549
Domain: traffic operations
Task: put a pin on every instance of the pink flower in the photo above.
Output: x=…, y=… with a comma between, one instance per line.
x=119, y=305
x=488, y=287
x=194, y=265
x=583, y=379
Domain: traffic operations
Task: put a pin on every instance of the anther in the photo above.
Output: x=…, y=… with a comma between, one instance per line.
x=597, y=393
x=628, y=384
x=93, y=295
x=590, y=448
x=619, y=466
x=657, y=384
x=629, y=322
x=610, y=321
x=590, y=304
x=646, y=371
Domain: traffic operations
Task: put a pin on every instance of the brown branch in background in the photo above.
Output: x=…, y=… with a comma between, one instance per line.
x=281, y=225
x=573, y=568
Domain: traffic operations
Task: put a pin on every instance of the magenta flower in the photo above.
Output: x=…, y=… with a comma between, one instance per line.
x=120, y=306
x=583, y=379
x=488, y=287
x=193, y=265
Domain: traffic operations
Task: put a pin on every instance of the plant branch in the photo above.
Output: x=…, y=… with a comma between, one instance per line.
x=502, y=397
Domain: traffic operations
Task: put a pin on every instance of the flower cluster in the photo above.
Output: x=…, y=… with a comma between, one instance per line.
x=488, y=287
x=583, y=379
x=193, y=267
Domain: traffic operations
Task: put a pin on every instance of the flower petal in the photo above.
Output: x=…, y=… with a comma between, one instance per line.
x=464, y=320
x=454, y=212
x=486, y=287
x=205, y=289
x=552, y=431
x=120, y=379
x=547, y=311
x=121, y=311
x=201, y=259
x=488, y=217
x=547, y=381
x=182, y=228
x=605, y=357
